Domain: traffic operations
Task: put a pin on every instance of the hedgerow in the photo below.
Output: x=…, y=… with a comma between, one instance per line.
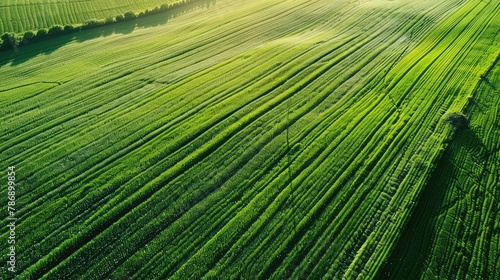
x=11, y=41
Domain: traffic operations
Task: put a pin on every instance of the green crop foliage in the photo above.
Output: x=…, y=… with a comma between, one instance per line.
x=20, y=16
x=454, y=230
x=261, y=139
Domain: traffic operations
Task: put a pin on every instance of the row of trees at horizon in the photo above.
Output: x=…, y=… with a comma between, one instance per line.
x=12, y=41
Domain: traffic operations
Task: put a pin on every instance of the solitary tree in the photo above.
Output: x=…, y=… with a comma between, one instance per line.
x=129, y=15
x=68, y=28
x=41, y=33
x=55, y=30
x=9, y=41
x=28, y=36
x=120, y=18
x=457, y=120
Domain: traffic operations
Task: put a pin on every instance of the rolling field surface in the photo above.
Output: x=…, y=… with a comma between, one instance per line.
x=251, y=140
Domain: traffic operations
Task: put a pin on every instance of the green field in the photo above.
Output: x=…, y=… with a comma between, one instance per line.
x=257, y=140
x=455, y=231
x=24, y=15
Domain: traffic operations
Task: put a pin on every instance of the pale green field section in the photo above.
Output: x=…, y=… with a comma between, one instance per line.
x=243, y=140
x=23, y=15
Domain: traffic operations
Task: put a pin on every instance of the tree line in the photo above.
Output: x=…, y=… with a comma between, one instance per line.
x=12, y=41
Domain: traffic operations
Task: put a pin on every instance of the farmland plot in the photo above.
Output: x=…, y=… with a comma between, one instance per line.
x=454, y=232
x=271, y=139
x=24, y=15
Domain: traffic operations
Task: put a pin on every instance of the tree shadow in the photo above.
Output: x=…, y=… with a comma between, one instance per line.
x=46, y=46
x=412, y=252
x=472, y=143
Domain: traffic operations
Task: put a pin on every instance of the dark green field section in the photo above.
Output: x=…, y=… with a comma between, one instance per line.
x=254, y=140
x=455, y=230
x=23, y=15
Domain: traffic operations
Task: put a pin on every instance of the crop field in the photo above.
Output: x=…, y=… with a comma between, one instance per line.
x=24, y=15
x=262, y=139
x=459, y=211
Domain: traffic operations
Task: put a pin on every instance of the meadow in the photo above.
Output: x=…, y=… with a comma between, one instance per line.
x=257, y=140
